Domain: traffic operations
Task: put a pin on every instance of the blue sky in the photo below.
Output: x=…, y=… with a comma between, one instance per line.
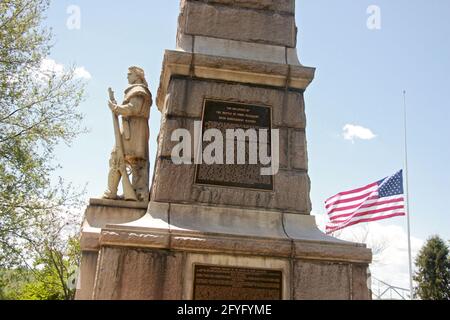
x=361, y=74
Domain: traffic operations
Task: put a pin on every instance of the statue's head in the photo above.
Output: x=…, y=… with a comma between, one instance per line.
x=136, y=75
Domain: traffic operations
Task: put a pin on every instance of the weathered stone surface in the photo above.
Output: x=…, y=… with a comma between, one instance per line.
x=86, y=280
x=177, y=63
x=289, y=113
x=233, y=246
x=333, y=252
x=233, y=230
x=95, y=202
x=174, y=183
x=202, y=61
x=168, y=126
x=292, y=191
x=284, y=148
x=135, y=274
x=98, y=216
x=292, y=112
x=287, y=6
x=192, y=230
x=199, y=18
x=298, y=150
x=237, y=49
x=102, y=212
x=321, y=281
x=360, y=291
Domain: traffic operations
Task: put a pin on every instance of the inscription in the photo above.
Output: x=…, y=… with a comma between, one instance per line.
x=228, y=283
x=225, y=116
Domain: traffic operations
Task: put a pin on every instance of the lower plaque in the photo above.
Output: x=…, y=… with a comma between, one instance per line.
x=229, y=283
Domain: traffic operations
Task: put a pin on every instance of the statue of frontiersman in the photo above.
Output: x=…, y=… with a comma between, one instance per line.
x=131, y=155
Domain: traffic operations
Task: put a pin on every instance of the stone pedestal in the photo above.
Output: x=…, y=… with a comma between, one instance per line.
x=222, y=239
x=154, y=256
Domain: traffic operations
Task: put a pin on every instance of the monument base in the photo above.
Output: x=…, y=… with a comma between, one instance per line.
x=187, y=252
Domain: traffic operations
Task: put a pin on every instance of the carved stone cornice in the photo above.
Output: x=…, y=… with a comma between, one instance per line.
x=178, y=63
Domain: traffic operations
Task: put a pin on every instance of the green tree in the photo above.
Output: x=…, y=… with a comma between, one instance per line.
x=433, y=270
x=13, y=281
x=54, y=274
x=38, y=110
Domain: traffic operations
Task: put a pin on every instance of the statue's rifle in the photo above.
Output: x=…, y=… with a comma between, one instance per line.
x=128, y=190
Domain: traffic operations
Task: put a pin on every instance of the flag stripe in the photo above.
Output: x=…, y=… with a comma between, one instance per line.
x=363, y=204
x=347, y=211
x=358, y=203
x=361, y=197
x=364, y=218
x=399, y=214
x=353, y=192
x=365, y=213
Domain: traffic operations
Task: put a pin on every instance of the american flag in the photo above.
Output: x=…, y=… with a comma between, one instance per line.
x=377, y=201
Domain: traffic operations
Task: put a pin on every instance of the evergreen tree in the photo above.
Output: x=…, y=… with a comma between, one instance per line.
x=433, y=271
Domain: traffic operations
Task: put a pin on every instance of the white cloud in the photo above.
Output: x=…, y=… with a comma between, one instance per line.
x=50, y=67
x=82, y=73
x=353, y=132
x=391, y=263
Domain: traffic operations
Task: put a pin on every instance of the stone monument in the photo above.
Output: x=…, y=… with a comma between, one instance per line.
x=224, y=231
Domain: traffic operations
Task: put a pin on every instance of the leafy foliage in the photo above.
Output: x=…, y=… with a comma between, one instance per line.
x=433, y=275
x=38, y=110
x=52, y=277
x=12, y=282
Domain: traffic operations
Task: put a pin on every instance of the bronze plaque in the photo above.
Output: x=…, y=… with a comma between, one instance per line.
x=222, y=116
x=229, y=283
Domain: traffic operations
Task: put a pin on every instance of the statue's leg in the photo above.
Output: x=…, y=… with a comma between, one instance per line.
x=113, y=178
x=140, y=170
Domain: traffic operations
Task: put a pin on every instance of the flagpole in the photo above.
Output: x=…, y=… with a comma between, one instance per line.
x=407, y=197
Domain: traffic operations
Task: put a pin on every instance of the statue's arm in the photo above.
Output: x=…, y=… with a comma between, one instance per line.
x=133, y=108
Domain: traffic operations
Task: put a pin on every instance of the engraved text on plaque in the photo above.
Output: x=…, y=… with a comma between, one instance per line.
x=222, y=116
x=230, y=283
